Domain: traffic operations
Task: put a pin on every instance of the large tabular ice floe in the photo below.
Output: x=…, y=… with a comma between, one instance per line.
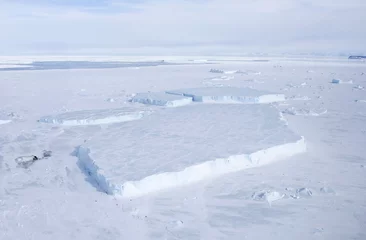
x=228, y=95
x=179, y=146
x=161, y=99
x=94, y=117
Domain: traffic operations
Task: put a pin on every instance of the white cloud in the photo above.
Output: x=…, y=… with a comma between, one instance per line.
x=187, y=26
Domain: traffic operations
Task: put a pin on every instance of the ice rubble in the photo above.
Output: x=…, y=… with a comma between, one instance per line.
x=161, y=99
x=180, y=146
x=94, y=117
x=228, y=95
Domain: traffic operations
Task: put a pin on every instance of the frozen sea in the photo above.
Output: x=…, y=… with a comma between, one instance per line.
x=247, y=148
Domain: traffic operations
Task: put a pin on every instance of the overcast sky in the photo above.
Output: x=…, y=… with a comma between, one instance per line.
x=182, y=26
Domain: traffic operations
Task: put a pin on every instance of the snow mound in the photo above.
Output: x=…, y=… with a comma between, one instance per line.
x=327, y=190
x=94, y=117
x=304, y=112
x=338, y=81
x=304, y=193
x=228, y=95
x=161, y=99
x=360, y=101
x=358, y=87
x=180, y=146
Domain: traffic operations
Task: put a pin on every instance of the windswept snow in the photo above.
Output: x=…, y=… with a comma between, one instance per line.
x=228, y=95
x=183, y=146
x=161, y=99
x=94, y=117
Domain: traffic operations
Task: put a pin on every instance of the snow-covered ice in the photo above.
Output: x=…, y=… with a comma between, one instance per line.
x=318, y=194
x=161, y=99
x=181, y=146
x=94, y=117
x=228, y=95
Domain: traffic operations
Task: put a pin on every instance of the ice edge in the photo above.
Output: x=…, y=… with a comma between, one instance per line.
x=189, y=175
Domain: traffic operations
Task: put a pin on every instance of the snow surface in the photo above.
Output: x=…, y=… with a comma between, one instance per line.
x=319, y=194
x=161, y=99
x=228, y=95
x=94, y=117
x=168, y=137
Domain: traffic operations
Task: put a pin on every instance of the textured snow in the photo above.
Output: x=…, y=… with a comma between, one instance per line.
x=161, y=99
x=166, y=159
x=228, y=95
x=94, y=117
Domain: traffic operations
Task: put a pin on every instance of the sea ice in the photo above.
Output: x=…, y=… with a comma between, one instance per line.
x=179, y=146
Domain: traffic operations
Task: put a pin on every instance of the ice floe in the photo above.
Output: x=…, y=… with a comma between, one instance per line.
x=161, y=99
x=228, y=95
x=94, y=117
x=180, y=146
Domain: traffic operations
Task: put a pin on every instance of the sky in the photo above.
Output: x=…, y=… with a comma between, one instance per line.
x=187, y=27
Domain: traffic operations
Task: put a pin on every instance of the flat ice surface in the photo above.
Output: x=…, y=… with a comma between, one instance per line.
x=176, y=138
x=161, y=99
x=94, y=117
x=228, y=95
